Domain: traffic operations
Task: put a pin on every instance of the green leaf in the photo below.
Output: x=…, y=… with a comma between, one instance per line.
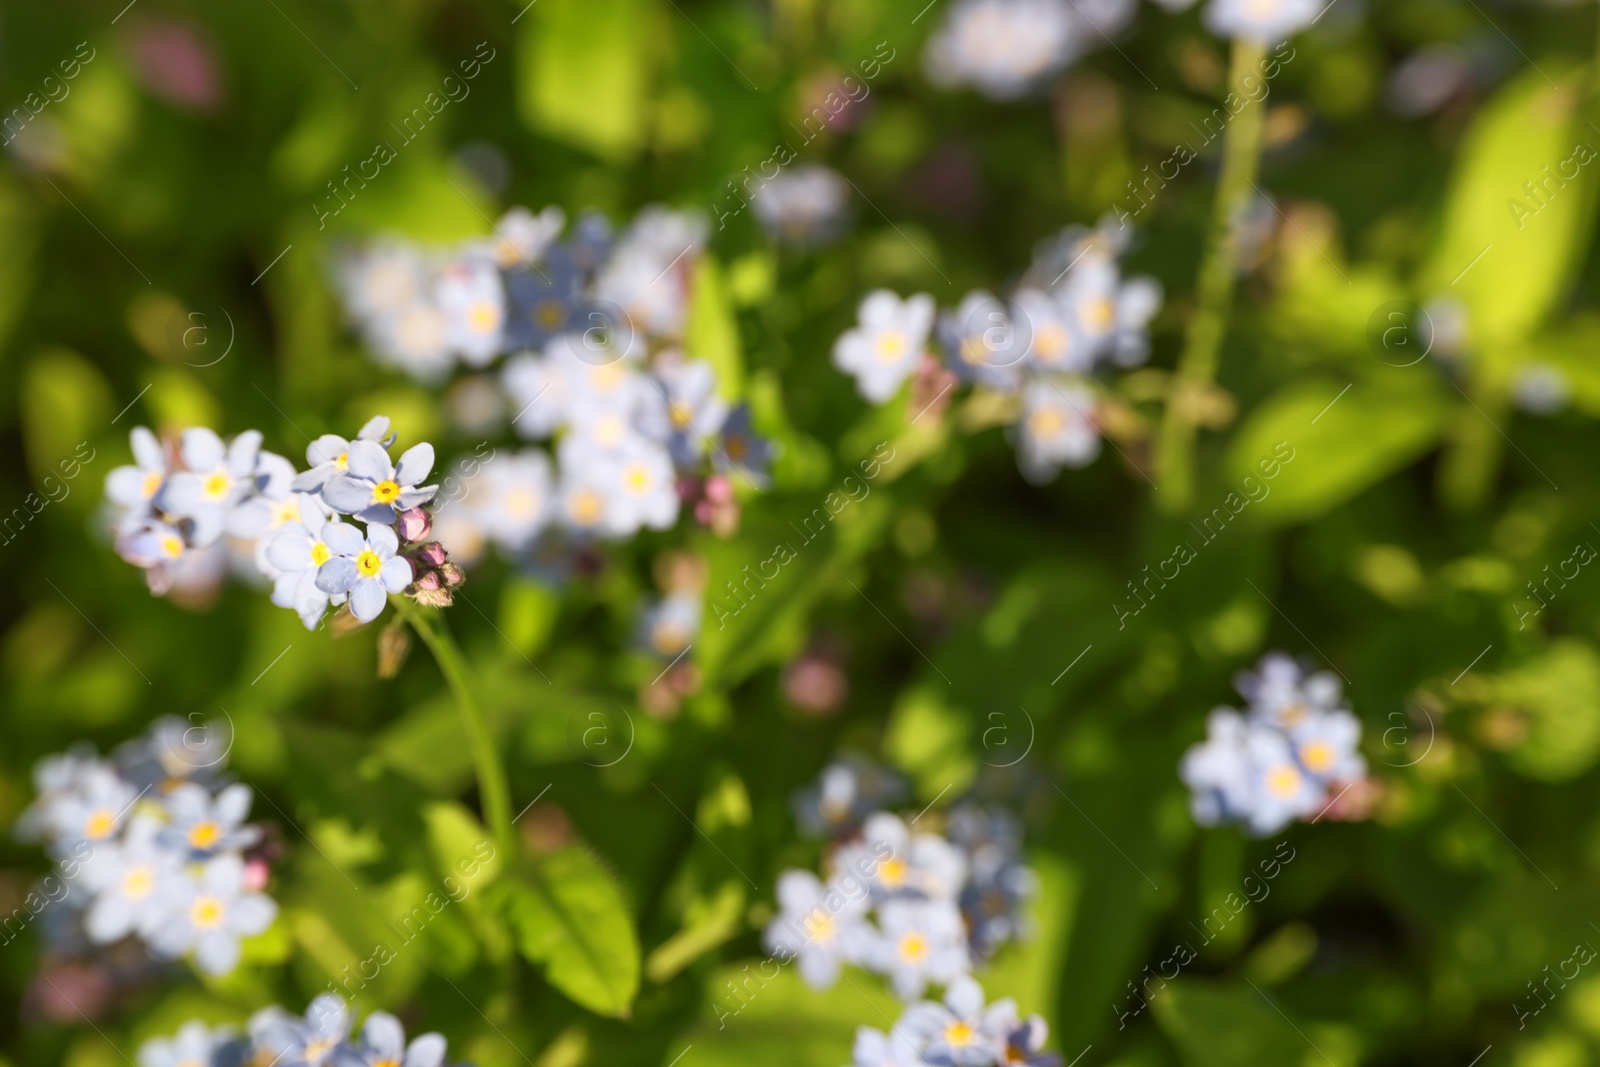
x=568, y=914
x=712, y=332
x=1325, y=447
x=1217, y=1024
x=1558, y=693
x=1529, y=244
x=461, y=846
x=584, y=74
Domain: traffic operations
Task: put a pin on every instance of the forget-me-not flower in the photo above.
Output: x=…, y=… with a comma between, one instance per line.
x=373, y=489
x=210, y=912
x=883, y=348
x=365, y=569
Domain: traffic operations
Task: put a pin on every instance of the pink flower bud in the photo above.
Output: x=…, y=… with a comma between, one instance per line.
x=719, y=489
x=413, y=524
x=431, y=554
x=428, y=581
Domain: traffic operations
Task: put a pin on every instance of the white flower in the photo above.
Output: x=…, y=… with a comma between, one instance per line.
x=374, y=490
x=202, y=825
x=647, y=273
x=215, y=479
x=803, y=205
x=329, y=455
x=472, y=300
x=1282, y=693
x=210, y=913
x=522, y=237
x=874, y=1048
x=1003, y=48
x=919, y=942
x=1270, y=21
x=823, y=927
x=131, y=882
x=537, y=386
x=92, y=809
x=645, y=490
x=415, y=339
x=694, y=411
x=383, y=1044
x=134, y=488
x=195, y=1045
x=669, y=626
x=1056, y=429
x=298, y=552
x=884, y=348
x=1055, y=344
x=379, y=282
x=512, y=497
x=898, y=863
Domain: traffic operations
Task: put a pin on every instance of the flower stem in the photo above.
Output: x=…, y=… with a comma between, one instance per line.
x=1197, y=367
x=492, y=789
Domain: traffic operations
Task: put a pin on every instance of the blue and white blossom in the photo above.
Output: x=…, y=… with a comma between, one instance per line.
x=1073, y=317
x=1289, y=756
x=365, y=569
x=322, y=1037
x=821, y=926
x=156, y=843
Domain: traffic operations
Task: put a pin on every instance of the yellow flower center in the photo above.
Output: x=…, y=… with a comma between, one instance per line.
x=1318, y=756
x=959, y=1034
x=203, y=835
x=586, y=507
x=285, y=511
x=138, y=882
x=1293, y=713
x=891, y=345
x=320, y=554
x=913, y=947
x=682, y=416
x=216, y=486
x=342, y=460
x=637, y=478
x=369, y=564
x=171, y=546
x=483, y=317
x=607, y=379
x=893, y=872
x=1098, y=314
x=520, y=503
x=386, y=491
x=152, y=482
x=1283, y=781
x=819, y=926
x=973, y=350
x=1050, y=344
x=100, y=823
x=550, y=314
x=207, y=912
x=669, y=639
x=1045, y=423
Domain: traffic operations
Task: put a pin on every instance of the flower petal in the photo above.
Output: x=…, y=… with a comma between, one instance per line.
x=147, y=451
x=337, y=575
x=202, y=449
x=396, y=574
x=326, y=449
x=367, y=459
x=367, y=599
x=383, y=1035
x=342, y=539
x=347, y=493
x=415, y=464
x=383, y=540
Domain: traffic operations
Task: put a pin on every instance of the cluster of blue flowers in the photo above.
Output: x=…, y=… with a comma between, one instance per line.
x=1007, y=49
x=183, y=506
x=1072, y=314
x=592, y=328
x=323, y=1037
x=1291, y=755
x=959, y=1031
x=918, y=907
x=151, y=846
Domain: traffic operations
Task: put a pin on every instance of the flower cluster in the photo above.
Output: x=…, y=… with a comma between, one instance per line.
x=152, y=846
x=1291, y=755
x=1006, y=49
x=177, y=503
x=918, y=907
x=593, y=328
x=804, y=206
x=959, y=1031
x=1072, y=314
x=323, y=1037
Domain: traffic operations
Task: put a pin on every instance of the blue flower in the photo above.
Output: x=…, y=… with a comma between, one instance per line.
x=366, y=570
x=1056, y=429
x=874, y=1048
x=669, y=625
x=961, y=1032
x=694, y=411
x=882, y=350
x=299, y=554
x=542, y=302
x=131, y=882
x=898, y=863
x=375, y=490
x=383, y=1044
x=848, y=790
x=329, y=454
x=1269, y=21
x=742, y=449
x=981, y=343
x=1024, y=1045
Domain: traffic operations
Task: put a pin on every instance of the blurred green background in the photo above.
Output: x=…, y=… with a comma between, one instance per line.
x=178, y=180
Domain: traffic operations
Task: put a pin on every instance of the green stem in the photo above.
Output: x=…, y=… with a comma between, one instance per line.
x=492, y=789
x=1197, y=367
